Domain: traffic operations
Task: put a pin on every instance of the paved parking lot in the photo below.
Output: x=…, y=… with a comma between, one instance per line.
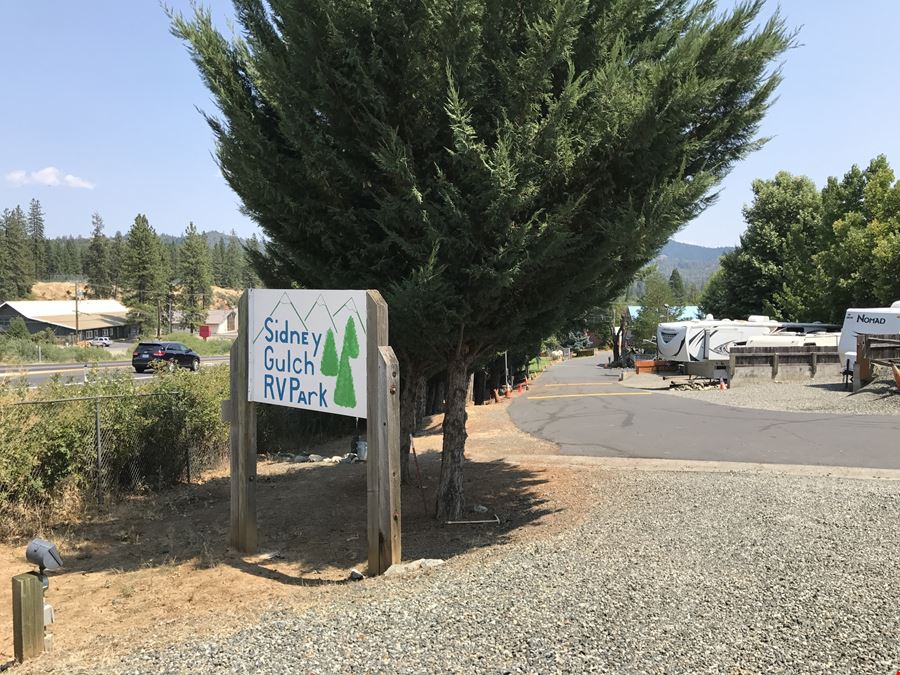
x=582, y=407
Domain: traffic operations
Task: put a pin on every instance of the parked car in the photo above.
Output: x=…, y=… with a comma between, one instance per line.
x=102, y=341
x=173, y=353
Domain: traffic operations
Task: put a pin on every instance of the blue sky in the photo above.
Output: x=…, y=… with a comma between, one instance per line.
x=99, y=114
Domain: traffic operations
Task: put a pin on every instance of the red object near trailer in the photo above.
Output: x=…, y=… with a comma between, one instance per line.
x=204, y=331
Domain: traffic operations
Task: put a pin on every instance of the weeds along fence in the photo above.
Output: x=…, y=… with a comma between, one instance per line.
x=107, y=438
x=110, y=445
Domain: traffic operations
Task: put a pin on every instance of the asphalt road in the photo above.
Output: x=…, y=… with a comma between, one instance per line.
x=74, y=373
x=582, y=407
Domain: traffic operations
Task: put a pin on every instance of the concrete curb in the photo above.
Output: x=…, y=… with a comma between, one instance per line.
x=676, y=465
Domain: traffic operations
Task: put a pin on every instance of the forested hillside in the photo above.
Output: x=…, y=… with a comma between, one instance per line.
x=695, y=264
x=140, y=267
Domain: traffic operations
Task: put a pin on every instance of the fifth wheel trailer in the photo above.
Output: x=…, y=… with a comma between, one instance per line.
x=702, y=345
x=867, y=321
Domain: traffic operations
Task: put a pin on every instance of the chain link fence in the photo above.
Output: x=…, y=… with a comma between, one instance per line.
x=108, y=446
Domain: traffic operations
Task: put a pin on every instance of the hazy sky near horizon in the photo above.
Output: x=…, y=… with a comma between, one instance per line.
x=100, y=114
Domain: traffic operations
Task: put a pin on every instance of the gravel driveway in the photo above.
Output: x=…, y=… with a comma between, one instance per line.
x=671, y=572
x=822, y=395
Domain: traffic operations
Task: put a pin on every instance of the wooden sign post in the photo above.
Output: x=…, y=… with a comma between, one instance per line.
x=242, y=415
x=286, y=353
x=28, y=616
x=383, y=438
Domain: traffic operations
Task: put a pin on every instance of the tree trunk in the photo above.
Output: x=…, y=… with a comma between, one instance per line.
x=421, y=400
x=615, y=342
x=431, y=389
x=450, y=490
x=479, y=381
x=408, y=384
x=438, y=393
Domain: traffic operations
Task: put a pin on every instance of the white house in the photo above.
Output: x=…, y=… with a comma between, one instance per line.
x=90, y=318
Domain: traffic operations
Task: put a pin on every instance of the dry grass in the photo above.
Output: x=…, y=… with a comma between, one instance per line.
x=19, y=521
x=157, y=567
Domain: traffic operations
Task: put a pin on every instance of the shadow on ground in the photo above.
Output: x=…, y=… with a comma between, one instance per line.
x=311, y=521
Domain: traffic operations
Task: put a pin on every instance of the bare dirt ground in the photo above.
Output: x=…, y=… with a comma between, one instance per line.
x=158, y=567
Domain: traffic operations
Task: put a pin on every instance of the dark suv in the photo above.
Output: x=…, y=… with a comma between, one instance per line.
x=174, y=353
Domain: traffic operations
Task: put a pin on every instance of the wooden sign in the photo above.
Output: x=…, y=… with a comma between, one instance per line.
x=327, y=351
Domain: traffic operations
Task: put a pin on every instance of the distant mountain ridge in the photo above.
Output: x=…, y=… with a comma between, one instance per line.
x=695, y=263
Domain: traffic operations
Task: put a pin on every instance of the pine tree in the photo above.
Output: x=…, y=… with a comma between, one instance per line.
x=19, y=266
x=173, y=257
x=195, y=280
x=71, y=258
x=252, y=250
x=36, y=235
x=677, y=285
x=144, y=275
x=117, y=254
x=53, y=258
x=453, y=155
x=7, y=284
x=329, y=365
x=219, y=263
x=344, y=391
x=97, y=266
x=233, y=263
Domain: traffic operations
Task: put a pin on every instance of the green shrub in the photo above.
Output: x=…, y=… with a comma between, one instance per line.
x=18, y=330
x=148, y=433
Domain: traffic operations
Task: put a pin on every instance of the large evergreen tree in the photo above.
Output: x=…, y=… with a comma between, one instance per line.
x=18, y=270
x=860, y=264
x=117, y=258
x=658, y=304
x=234, y=262
x=97, y=266
x=219, y=263
x=252, y=250
x=676, y=283
x=7, y=283
x=194, y=279
x=493, y=168
x=772, y=269
x=144, y=275
x=36, y=235
x=71, y=258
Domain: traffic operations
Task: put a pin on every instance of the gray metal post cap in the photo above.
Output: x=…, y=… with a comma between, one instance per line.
x=44, y=554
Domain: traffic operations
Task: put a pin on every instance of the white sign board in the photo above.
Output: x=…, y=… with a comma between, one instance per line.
x=307, y=349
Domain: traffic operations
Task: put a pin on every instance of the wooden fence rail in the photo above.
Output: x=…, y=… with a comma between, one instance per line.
x=874, y=350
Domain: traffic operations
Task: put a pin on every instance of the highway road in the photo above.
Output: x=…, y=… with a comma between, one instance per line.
x=74, y=373
x=582, y=407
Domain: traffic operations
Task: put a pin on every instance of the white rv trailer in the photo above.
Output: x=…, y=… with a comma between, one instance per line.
x=798, y=335
x=870, y=321
x=703, y=344
x=783, y=338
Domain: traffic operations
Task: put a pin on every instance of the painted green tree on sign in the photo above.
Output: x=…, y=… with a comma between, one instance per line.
x=329, y=356
x=344, y=393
